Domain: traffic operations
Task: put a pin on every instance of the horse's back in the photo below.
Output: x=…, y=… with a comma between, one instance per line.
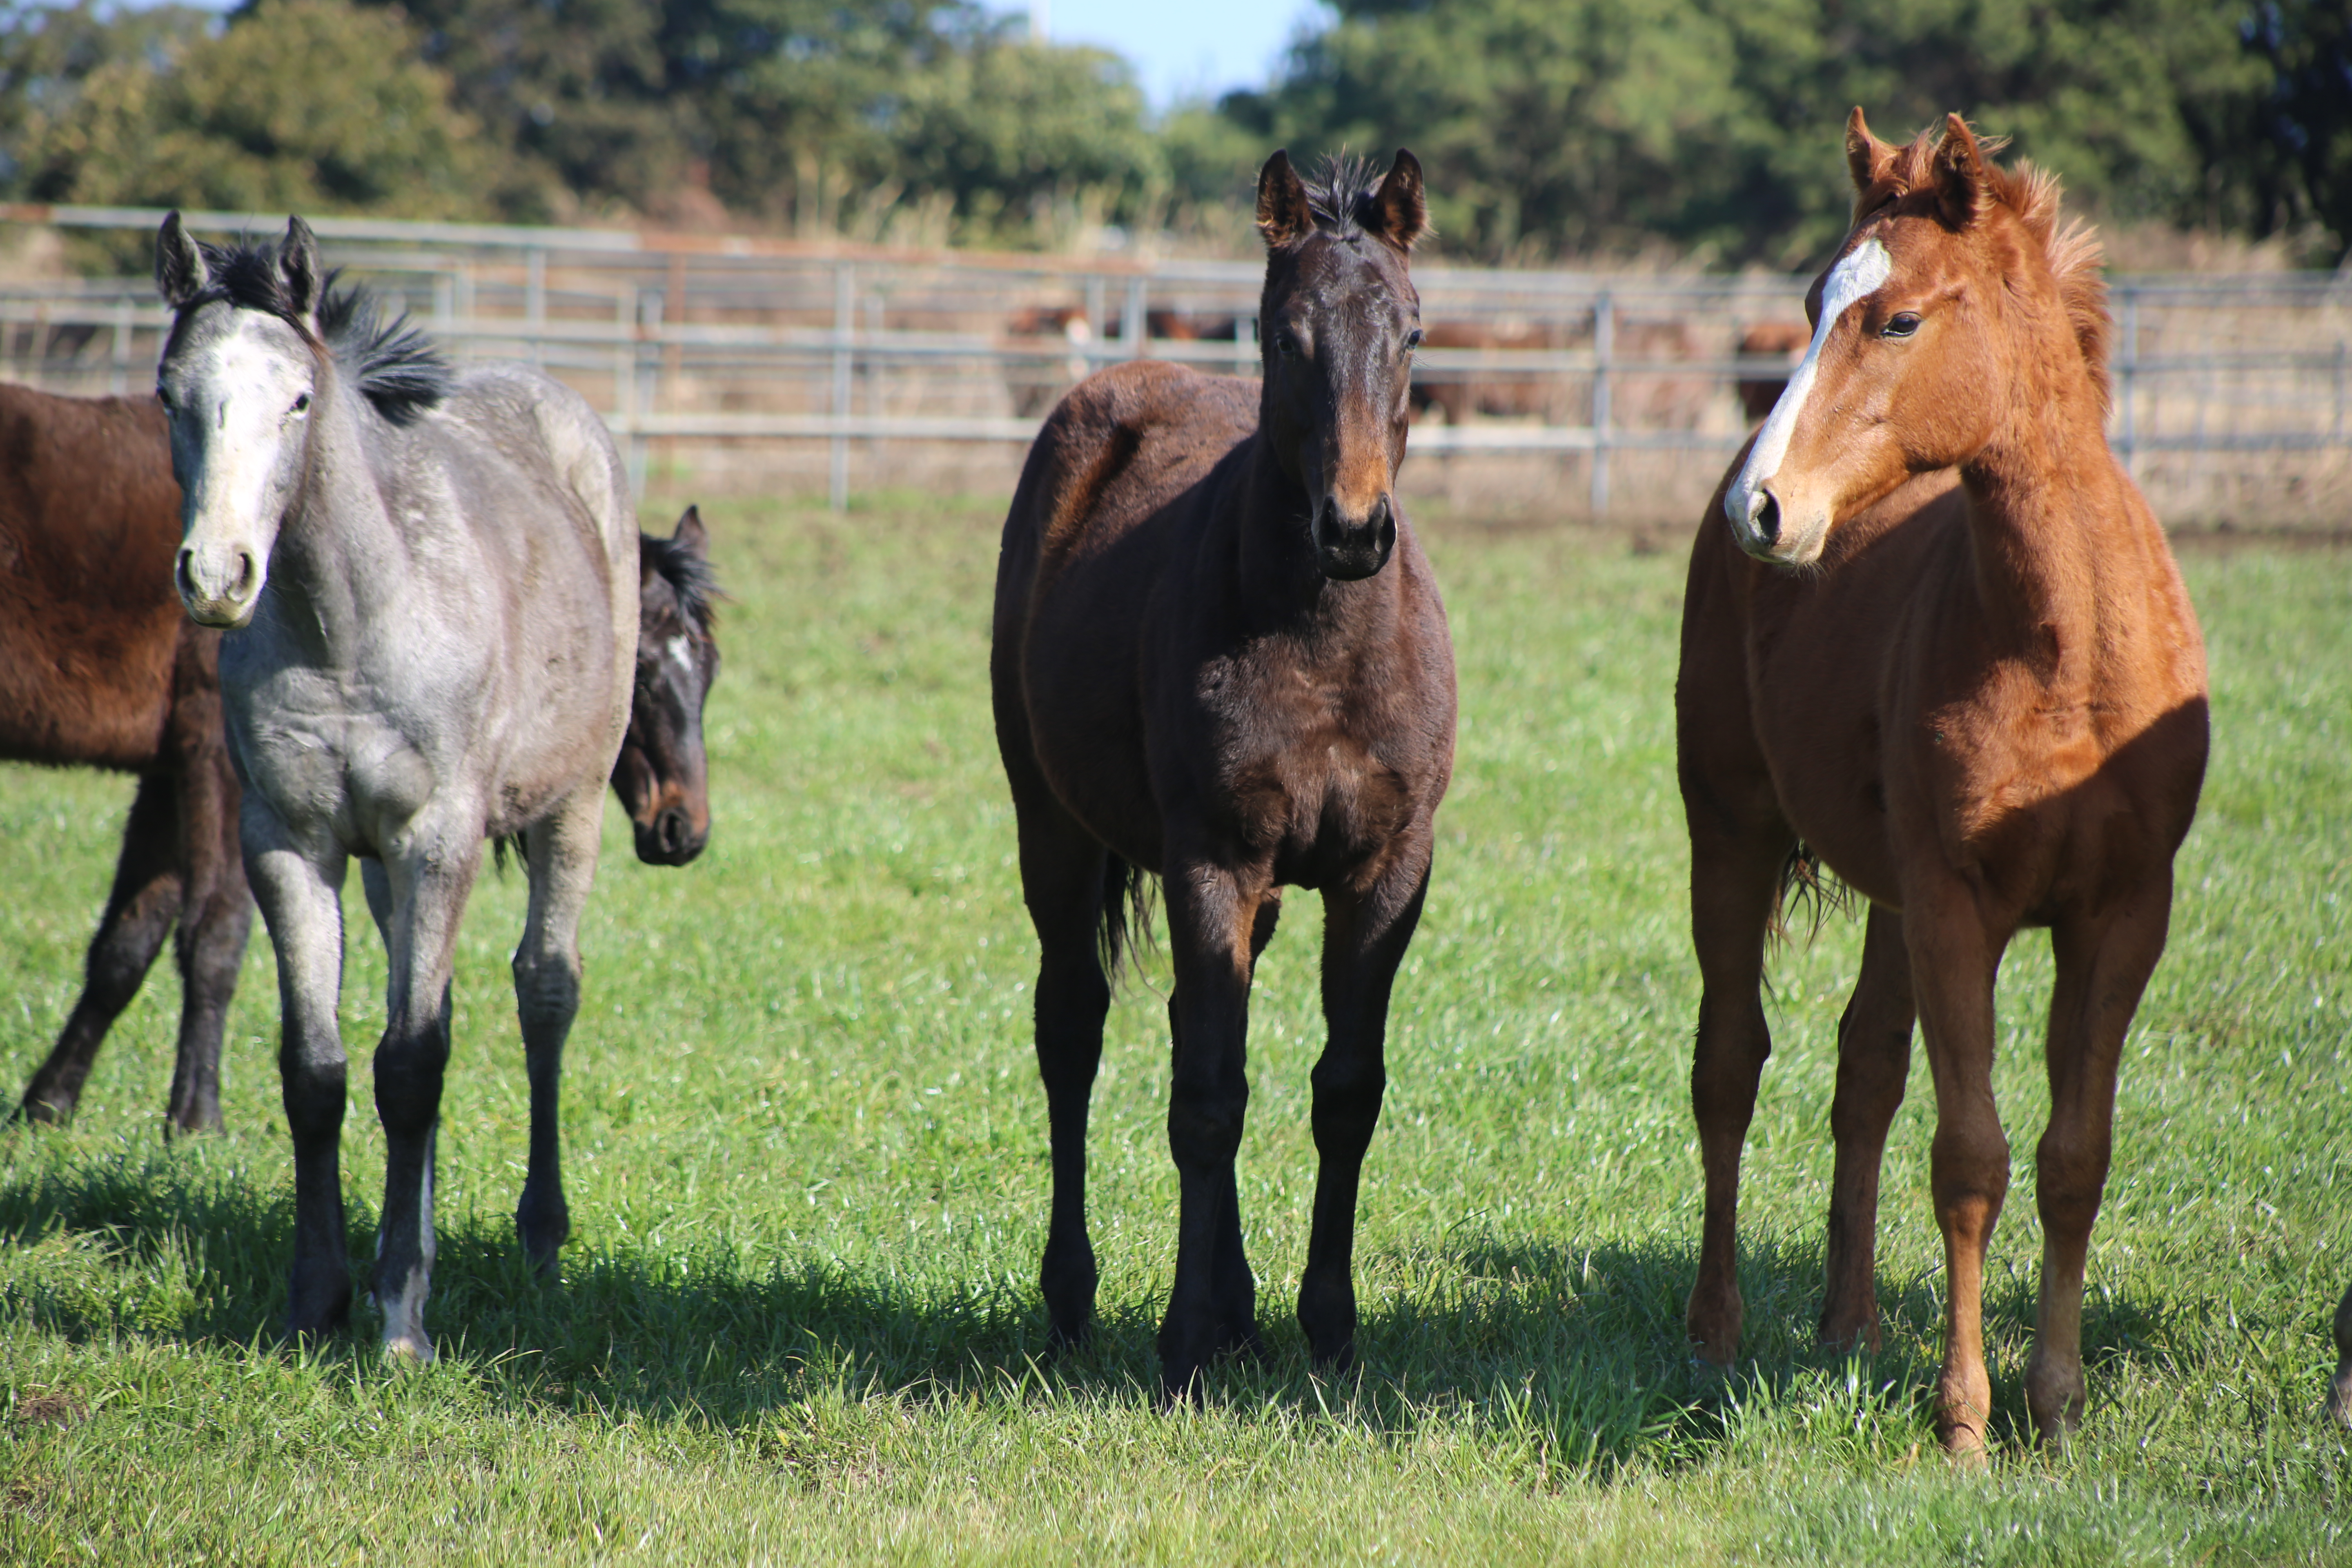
x=537, y=480
x=89, y=626
x=1122, y=445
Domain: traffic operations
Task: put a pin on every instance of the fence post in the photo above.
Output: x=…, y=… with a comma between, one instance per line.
x=1133, y=324
x=2128, y=375
x=625, y=378
x=1604, y=333
x=534, y=302
x=845, y=326
x=118, y=379
x=1097, y=319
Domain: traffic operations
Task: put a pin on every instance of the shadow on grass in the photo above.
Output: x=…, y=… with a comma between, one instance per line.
x=1581, y=1350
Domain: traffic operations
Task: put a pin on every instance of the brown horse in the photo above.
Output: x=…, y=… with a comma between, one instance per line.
x=100, y=667
x=1759, y=390
x=1220, y=659
x=2339, y=1392
x=1942, y=646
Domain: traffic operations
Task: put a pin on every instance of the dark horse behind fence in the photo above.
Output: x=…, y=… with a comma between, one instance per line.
x=100, y=667
x=1220, y=659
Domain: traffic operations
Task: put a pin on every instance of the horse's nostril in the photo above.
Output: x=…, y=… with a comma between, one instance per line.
x=670, y=831
x=182, y=575
x=245, y=573
x=1768, y=518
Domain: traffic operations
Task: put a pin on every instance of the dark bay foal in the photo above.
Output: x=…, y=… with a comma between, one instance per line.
x=1220, y=659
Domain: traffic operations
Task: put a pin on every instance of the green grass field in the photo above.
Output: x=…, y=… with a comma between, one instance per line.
x=806, y=1150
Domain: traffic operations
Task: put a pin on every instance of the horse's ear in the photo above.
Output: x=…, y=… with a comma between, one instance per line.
x=1867, y=159
x=1283, y=216
x=1962, y=188
x=1398, y=213
x=179, y=273
x=297, y=265
x=691, y=536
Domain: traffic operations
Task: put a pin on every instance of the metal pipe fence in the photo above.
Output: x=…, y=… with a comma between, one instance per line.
x=684, y=339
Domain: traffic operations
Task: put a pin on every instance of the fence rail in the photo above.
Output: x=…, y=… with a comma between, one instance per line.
x=685, y=339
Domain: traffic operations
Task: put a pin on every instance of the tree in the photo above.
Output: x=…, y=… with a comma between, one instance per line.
x=297, y=106
x=1582, y=126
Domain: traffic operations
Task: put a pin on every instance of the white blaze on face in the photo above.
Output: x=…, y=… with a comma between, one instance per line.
x=684, y=655
x=240, y=392
x=1857, y=276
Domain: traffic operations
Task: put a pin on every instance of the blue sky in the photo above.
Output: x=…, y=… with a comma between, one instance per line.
x=1191, y=49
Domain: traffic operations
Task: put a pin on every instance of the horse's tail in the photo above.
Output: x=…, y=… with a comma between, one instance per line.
x=1805, y=882
x=1126, y=925
x=502, y=842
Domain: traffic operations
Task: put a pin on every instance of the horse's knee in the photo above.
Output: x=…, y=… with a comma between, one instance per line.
x=409, y=1066
x=1204, y=1122
x=2069, y=1180
x=1347, y=1104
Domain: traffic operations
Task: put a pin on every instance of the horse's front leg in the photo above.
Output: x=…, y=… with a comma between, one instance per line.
x=2102, y=970
x=298, y=886
x=429, y=878
x=1365, y=934
x=1211, y=919
x=562, y=852
x=1953, y=962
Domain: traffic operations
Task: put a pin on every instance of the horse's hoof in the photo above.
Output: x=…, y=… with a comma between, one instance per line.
x=2339, y=1396
x=43, y=1113
x=1182, y=1386
x=1714, y=1329
x=318, y=1309
x=1067, y=1339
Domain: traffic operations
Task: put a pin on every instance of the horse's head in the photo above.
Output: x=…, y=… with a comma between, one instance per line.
x=1338, y=326
x=1954, y=309
x=661, y=774
x=240, y=374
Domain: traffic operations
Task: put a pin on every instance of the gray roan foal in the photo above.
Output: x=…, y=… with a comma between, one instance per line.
x=430, y=579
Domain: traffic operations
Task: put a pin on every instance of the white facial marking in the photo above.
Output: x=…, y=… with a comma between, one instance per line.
x=678, y=649
x=241, y=389
x=1858, y=274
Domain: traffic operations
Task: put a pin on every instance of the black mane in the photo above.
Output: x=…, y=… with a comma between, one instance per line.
x=1341, y=193
x=393, y=363
x=690, y=576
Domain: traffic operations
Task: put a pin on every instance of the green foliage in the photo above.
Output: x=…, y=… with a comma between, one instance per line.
x=298, y=106
x=805, y=1154
x=1584, y=126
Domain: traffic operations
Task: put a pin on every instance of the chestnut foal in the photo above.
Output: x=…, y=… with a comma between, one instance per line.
x=1942, y=644
x=1220, y=659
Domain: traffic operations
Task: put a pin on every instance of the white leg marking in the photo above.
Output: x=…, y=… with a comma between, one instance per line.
x=1858, y=274
x=404, y=1315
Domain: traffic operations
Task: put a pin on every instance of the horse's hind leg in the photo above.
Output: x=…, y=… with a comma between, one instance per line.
x=215, y=921
x=1064, y=880
x=562, y=855
x=298, y=889
x=2100, y=973
x=2339, y=1392
x=144, y=901
x=1733, y=881
x=429, y=883
x=1873, y=1058
x=1364, y=939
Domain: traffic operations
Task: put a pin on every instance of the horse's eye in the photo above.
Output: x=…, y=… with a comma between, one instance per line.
x=1285, y=343
x=1413, y=340
x=164, y=398
x=302, y=403
x=1900, y=325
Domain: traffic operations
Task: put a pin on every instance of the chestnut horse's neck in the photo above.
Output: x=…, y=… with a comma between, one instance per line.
x=2052, y=517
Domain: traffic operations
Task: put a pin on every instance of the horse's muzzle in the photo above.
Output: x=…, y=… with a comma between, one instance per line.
x=1350, y=552
x=671, y=838
x=219, y=587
